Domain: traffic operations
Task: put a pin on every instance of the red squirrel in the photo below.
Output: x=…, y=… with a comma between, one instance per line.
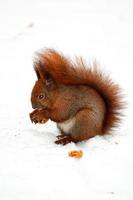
x=82, y=100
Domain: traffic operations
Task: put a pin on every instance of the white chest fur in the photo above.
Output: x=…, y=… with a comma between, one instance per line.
x=67, y=125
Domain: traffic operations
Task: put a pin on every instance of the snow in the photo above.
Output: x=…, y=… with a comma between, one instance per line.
x=31, y=165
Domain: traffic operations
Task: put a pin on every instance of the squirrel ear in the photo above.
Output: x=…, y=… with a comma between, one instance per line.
x=38, y=70
x=37, y=73
x=50, y=84
x=44, y=76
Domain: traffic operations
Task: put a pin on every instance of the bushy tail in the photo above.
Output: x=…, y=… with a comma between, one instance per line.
x=65, y=71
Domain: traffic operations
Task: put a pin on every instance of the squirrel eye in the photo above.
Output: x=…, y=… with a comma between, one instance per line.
x=41, y=96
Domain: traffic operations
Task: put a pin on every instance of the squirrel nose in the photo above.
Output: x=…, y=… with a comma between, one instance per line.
x=34, y=105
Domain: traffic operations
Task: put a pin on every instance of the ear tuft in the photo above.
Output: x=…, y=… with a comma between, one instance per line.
x=36, y=71
x=39, y=70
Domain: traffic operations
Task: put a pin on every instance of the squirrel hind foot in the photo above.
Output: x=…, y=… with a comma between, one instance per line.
x=64, y=139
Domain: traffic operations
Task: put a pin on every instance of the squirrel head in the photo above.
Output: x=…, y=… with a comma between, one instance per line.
x=43, y=90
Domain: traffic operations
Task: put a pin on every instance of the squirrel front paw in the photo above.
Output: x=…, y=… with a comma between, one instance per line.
x=38, y=116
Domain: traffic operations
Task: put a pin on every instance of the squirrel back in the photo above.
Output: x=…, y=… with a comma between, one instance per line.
x=64, y=71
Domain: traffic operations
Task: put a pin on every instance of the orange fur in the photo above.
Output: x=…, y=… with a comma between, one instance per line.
x=64, y=71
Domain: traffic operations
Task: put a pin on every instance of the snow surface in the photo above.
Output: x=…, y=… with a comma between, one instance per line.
x=32, y=167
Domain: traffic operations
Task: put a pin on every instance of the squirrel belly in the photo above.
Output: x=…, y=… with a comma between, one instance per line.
x=80, y=98
x=66, y=126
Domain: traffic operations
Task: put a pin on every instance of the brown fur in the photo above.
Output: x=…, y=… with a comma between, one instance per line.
x=64, y=71
x=70, y=79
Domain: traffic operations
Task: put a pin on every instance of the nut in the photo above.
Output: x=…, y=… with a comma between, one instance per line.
x=76, y=154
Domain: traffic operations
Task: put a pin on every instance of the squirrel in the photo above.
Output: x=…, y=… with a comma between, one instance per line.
x=81, y=99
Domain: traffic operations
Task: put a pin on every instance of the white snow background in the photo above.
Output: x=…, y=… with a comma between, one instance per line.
x=32, y=167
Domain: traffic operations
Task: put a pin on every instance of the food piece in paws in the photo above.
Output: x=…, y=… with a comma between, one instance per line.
x=38, y=116
x=76, y=154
